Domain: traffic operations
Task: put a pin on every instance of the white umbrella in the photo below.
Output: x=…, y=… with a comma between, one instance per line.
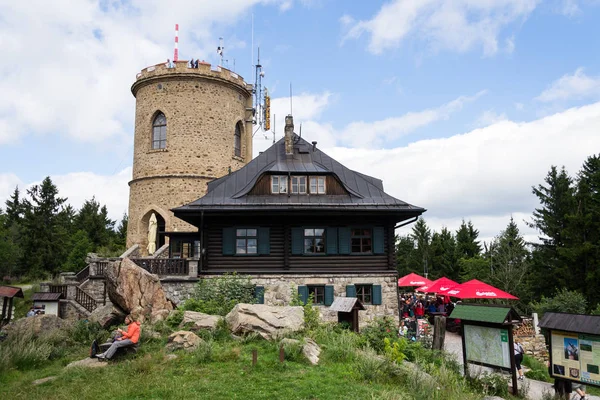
x=152, y=228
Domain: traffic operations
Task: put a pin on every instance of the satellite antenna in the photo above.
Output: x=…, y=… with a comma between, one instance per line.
x=259, y=108
x=220, y=50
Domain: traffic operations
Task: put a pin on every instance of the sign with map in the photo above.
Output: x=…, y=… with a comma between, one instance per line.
x=487, y=345
x=576, y=357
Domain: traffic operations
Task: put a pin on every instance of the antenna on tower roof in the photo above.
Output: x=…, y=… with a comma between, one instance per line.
x=220, y=50
x=291, y=106
x=176, y=50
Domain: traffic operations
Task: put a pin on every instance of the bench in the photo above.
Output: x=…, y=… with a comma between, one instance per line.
x=124, y=350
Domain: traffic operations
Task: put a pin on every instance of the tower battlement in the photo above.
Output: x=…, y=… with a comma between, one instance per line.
x=181, y=70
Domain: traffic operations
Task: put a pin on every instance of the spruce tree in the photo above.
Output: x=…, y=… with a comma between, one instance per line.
x=467, y=245
x=421, y=256
x=443, y=253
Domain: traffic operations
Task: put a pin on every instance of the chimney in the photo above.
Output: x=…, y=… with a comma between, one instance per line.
x=289, y=135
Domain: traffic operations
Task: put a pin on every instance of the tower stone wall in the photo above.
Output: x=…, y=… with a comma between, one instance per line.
x=202, y=107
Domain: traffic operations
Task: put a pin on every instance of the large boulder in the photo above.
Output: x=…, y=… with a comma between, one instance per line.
x=185, y=340
x=311, y=351
x=136, y=291
x=268, y=321
x=196, y=320
x=38, y=325
x=107, y=315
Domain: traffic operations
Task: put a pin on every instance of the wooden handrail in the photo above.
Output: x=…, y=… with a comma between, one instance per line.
x=58, y=289
x=85, y=300
x=83, y=274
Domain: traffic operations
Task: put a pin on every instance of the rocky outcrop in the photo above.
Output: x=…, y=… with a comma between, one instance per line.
x=268, y=321
x=37, y=325
x=137, y=292
x=196, y=321
x=310, y=349
x=185, y=340
x=107, y=315
x=87, y=363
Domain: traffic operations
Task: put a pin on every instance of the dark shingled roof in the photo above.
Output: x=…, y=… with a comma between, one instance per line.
x=571, y=322
x=230, y=192
x=45, y=296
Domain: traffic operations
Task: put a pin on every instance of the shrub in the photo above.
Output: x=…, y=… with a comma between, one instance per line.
x=204, y=352
x=174, y=319
x=311, y=314
x=21, y=350
x=394, y=350
x=85, y=332
x=374, y=368
x=341, y=347
x=374, y=334
x=564, y=301
x=292, y=351
x=490, y=384
x=218, y=296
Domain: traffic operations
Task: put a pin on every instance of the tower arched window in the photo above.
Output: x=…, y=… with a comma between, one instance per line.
x=237, y=140
x=159, y=131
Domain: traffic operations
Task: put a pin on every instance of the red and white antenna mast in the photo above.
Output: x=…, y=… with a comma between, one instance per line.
x=176, y=52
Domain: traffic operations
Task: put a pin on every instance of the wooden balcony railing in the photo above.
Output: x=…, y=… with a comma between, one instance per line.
x=59, y=289
x=101, y=268
x=163, y=266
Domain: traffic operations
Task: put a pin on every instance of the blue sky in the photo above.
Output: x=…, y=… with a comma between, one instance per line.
x=460, y=107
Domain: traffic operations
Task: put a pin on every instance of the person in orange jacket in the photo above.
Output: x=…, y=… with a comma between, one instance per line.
x=128, y=338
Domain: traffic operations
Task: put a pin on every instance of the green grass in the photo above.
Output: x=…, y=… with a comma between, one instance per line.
x=222, y=369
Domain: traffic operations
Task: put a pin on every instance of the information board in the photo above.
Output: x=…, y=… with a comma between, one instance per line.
x=576, y=357
x=486, y=345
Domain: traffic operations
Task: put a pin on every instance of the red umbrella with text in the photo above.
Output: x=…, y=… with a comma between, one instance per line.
x=413, y=279
x=475, y=289
x=440, y=286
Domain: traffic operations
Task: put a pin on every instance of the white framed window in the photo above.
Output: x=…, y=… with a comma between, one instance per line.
x=246, y=241
x=317, y=185
x=279, y=184
x=299, y=184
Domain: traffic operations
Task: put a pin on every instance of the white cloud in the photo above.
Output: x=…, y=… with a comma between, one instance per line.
x=375, y=134
x=84, y=56
x=569, y=8
x=486, y=173
x=577, y=85
x=459, y=25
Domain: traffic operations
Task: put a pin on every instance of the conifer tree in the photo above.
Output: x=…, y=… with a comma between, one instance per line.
x=443, y=253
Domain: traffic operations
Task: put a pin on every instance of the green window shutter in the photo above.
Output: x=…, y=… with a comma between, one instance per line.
x=264, y=241
x=303, y=293
x=328, y=295
x=228, y=241
x=259, y=294
x=350, y=291
x=376, y=295
x=331, y=240
x=297, y=240
x=344, y=240
x=378, y=234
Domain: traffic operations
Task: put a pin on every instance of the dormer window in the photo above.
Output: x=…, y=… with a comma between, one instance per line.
x=279, y=184
x=299, y=184
x=317, y=185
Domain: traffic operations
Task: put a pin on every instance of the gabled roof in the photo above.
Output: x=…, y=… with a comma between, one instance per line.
x=485, y=313
x=231, y=192
x=571, y=322
x=11, y=291
x=46, y=296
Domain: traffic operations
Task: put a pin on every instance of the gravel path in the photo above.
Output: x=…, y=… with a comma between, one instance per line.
x=453, y=345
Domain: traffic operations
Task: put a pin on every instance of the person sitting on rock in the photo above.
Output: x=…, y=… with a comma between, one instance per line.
x=128, y=338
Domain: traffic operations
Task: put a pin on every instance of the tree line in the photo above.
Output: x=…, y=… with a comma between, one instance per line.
x=41, y=234
x=565, y=259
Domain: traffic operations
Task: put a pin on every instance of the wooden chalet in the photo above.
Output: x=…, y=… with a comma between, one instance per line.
x=295, y=212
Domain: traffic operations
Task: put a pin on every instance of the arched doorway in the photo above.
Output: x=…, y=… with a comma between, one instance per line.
x=160, y=229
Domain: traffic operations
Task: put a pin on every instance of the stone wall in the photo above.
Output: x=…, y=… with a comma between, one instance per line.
x=535, y=346
x=178, y=290
x=95, y=287
x=69, y=311
x=202, y=108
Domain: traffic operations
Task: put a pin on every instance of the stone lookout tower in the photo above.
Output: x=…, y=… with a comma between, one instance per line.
x=192, y=125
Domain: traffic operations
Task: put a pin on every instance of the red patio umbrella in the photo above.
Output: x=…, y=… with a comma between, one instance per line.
x=438, y=286
x=475, y=289
x=413, y=279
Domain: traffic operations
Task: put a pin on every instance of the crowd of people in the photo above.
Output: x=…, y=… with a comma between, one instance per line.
x=421, y=305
